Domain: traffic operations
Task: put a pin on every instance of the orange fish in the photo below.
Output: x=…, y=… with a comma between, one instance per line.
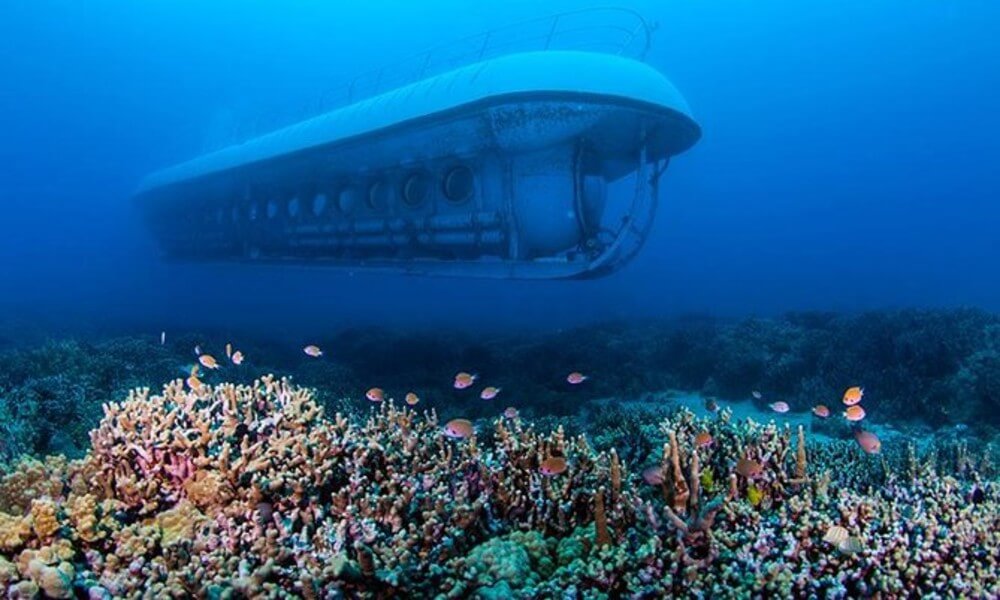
x=375, y=394
x=459, y=428
x=653, y=475
x=193, y=382
x=854, y=413
x=703, y=439
x=489, y=393
x=464, y=380
x=208, y=361
x=313, y=351
x=749, y=468
x=853, y=395
x=821, y=411
x=553, y=465
x=229, y=350
x=237, y=358
x=412, y=399
x=576, y=378
x=868, y=441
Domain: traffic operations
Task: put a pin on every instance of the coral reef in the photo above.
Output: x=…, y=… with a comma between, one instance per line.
x=254, y=491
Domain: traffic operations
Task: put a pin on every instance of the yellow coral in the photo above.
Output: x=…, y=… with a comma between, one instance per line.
x=178, y=523
x=44, y=519
x=14, y=532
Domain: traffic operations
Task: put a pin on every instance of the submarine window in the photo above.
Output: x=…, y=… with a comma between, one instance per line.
x=348, y=199
x=378, y=196
x=458, y=184
x=319, y=204
x=416, y=189
x=294, y=205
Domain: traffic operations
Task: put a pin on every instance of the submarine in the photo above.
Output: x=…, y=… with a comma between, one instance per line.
x=496, y=168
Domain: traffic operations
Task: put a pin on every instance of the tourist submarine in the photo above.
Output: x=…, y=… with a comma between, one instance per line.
x=499, y=168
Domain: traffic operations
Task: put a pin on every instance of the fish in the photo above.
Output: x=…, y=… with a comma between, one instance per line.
x=553, y=465
x=237, y=358
x=229, y=350
x=197, y=349
x=375, y=394
x=193, y=370
x=459, y=428
x=412, y=398
x=313, y=351
x=464, y=380
x=703, y=439
x=653, y=475
x=193, y=382
x=835, y=535
x=868, y=441
x=853, y=395
x=163, y=337
x=779, y=407
x=821, y=411
x=757, y=395
x=576, y=378
x=711, y=405
x=510, y=412
x=208, y=361
x=854, y=413
x=749, y=468
x=489, y=393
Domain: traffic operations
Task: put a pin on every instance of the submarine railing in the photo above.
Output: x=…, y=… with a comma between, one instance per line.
x=630, y=35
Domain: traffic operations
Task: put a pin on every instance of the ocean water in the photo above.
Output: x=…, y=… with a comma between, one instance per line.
x=791, y=390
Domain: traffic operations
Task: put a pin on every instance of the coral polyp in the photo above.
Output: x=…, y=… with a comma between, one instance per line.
x=253, y=491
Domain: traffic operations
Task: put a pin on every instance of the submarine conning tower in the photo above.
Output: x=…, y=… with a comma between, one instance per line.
x=498, y=168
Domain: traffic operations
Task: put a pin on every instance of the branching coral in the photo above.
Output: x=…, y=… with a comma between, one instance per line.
x=252, y=491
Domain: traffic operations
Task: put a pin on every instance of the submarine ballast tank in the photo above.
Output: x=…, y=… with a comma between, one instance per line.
x=498, y=168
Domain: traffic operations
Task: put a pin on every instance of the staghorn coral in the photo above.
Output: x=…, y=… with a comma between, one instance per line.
x=259, y=494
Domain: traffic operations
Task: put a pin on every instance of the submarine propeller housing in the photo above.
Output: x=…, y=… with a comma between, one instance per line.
x=497, y=168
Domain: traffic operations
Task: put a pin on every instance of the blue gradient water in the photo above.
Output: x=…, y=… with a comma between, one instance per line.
x=849, y=160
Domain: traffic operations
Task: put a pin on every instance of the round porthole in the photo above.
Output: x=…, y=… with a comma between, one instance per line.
x=416, y=189
x=272, y=208
x=348, y=199
x=294, y=206
x=319, y=204
x=459, y=184
x=378, y=196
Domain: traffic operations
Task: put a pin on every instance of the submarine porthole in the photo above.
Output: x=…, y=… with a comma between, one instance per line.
x=348, y=199
x=319, y=204
x=416, y=189
x=458, y=184
x=294, y=206
x=378, y=196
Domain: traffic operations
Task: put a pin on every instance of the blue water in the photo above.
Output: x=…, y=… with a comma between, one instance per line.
x=849, y=160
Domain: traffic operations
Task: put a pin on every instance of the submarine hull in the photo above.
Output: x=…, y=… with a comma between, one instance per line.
x=511, y=183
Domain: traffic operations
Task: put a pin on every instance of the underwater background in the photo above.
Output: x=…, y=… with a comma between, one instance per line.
x=835, y=228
